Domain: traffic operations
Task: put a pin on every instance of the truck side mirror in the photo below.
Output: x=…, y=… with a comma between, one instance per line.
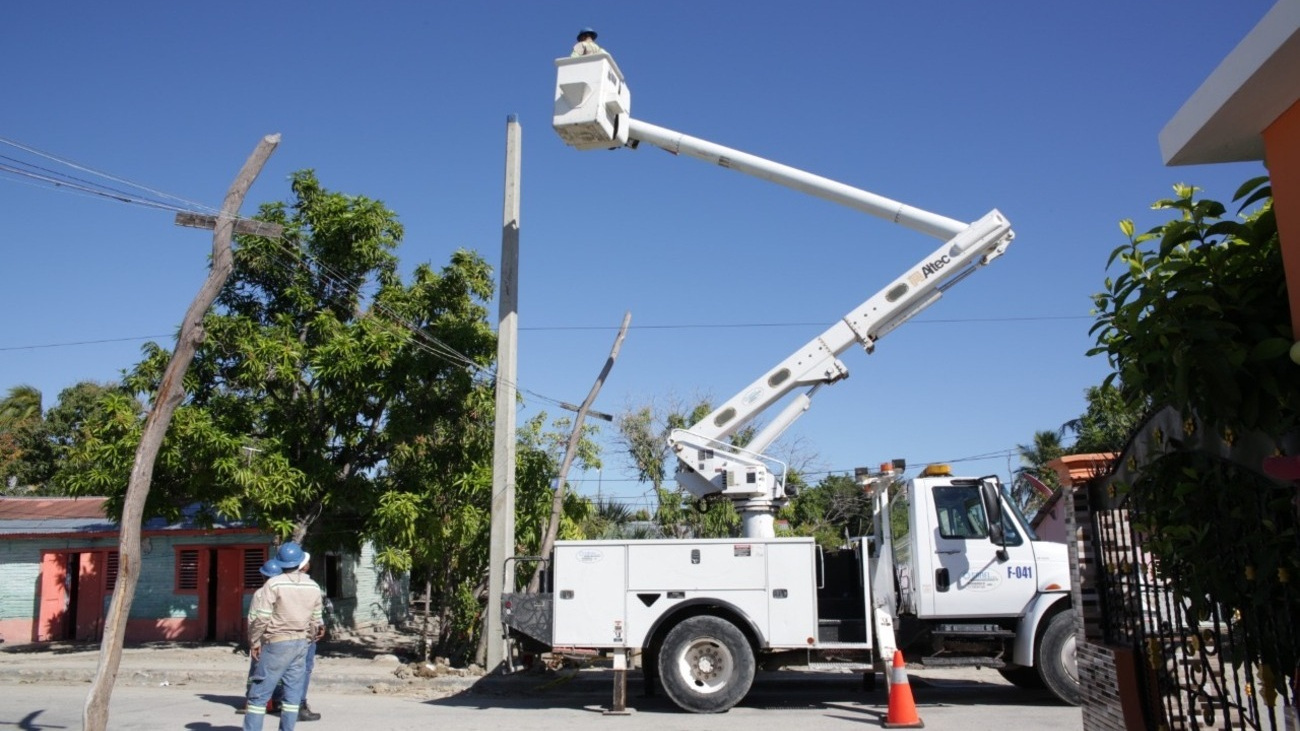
x=993, y=509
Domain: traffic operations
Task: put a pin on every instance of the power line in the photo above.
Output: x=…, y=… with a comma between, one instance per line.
x=103, y=192
x=81, y=342
x=715, y=326
x=741, y=325
x=76, y=166
x=70, y=183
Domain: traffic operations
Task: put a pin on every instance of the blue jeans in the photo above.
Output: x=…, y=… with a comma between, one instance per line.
x=279, y=661
x=278, y=695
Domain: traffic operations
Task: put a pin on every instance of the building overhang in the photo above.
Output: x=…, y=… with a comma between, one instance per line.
x=1225, y=118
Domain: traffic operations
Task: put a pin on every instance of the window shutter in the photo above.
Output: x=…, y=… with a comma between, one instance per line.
x=187, y=569
x=110, y=570
x=253, y=560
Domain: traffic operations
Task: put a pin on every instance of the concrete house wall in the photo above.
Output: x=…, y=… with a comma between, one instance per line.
x=57, y=574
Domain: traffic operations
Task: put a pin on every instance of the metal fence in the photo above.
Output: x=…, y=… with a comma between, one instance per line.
x=1194, y=672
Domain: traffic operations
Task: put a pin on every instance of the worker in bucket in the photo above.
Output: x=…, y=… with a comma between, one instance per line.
x=586, y=44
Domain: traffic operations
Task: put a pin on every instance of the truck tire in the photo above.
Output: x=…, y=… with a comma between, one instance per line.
x=1058, y=666
x=706, y=665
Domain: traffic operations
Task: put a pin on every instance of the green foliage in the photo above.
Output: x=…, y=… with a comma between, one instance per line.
x=1198, y=318
x=1034, y=458
x=681, y=515
x=1108, y=422
x=319, y=362
x=644, y=434
x=611, y=519
x=34, y=447
x=20, y=419
x=1225, y=537
x=434, y=517
x=331, y=396
x=21, y=405
x=831, y=511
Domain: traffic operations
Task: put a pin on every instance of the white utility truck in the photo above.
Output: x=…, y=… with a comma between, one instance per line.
x=952, y=575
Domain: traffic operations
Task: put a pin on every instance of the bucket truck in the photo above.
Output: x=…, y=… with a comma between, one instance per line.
x=952, y=573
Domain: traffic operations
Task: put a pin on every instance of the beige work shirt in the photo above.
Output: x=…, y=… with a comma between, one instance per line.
x=585, y=48
x=287, y=607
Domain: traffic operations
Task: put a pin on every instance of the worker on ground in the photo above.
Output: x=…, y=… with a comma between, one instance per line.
x=282, y=624
x=586, y=44
x=269, y=569
x=305, y=713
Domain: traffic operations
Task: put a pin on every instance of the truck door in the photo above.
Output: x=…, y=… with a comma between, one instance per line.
x=970, y=579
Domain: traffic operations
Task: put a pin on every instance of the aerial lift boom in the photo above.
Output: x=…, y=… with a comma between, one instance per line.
x=593, y=111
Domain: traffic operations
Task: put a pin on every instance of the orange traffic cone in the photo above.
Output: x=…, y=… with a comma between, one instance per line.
x=902, y=709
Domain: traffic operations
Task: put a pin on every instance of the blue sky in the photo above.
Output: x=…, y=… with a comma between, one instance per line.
x=1047, y=111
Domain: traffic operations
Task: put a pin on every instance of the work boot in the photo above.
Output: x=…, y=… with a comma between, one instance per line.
x=307, y=714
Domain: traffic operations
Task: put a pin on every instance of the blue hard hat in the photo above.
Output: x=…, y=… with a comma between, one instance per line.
x=587, y=31
x=289, y=556
x=271, y=568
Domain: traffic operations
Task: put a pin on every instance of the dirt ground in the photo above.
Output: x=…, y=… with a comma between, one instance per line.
x=381, y=661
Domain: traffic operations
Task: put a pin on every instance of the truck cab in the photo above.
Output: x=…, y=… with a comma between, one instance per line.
x=975, y=585
x=959, y=566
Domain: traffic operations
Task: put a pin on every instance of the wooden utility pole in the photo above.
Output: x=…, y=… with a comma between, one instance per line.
x=170, y=393
x=502, y=532
x=557, y=501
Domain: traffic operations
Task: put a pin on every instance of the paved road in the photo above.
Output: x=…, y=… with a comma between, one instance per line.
x=777, y=701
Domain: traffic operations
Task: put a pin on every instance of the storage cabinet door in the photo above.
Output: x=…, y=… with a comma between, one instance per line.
x=590, y=588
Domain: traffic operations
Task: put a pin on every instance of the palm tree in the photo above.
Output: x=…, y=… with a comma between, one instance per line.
x=21, y=406
x=608, y=520
x=1045, y=448
x=20, y=410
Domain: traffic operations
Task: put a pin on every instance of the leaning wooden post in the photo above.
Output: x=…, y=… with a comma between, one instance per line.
x=169, y=396
x=570, y=450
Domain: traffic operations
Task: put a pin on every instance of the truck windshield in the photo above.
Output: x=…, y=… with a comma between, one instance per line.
x=1020, y=516
x=960, y=514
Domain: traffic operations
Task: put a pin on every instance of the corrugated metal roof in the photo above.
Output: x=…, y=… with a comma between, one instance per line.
x=50, y=516
x=44, y=508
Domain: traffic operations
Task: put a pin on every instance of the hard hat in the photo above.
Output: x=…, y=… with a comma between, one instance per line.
x=270, y=568
x=587, y=31
x=289, y=556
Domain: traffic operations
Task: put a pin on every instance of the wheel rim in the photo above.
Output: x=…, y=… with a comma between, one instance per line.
x=1070, y=659
x=706, y=665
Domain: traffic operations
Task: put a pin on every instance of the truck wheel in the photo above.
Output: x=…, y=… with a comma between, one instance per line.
x=706, y=665
x=1058, y=666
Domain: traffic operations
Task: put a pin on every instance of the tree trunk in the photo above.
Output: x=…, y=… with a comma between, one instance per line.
x=170, y=393
x=557, y=502
x=427, y=640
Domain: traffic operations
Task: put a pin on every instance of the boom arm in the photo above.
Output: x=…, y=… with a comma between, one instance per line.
x=592, y=111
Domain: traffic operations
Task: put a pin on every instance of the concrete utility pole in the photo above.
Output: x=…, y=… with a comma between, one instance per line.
x=503, y=460
x=171, y=392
